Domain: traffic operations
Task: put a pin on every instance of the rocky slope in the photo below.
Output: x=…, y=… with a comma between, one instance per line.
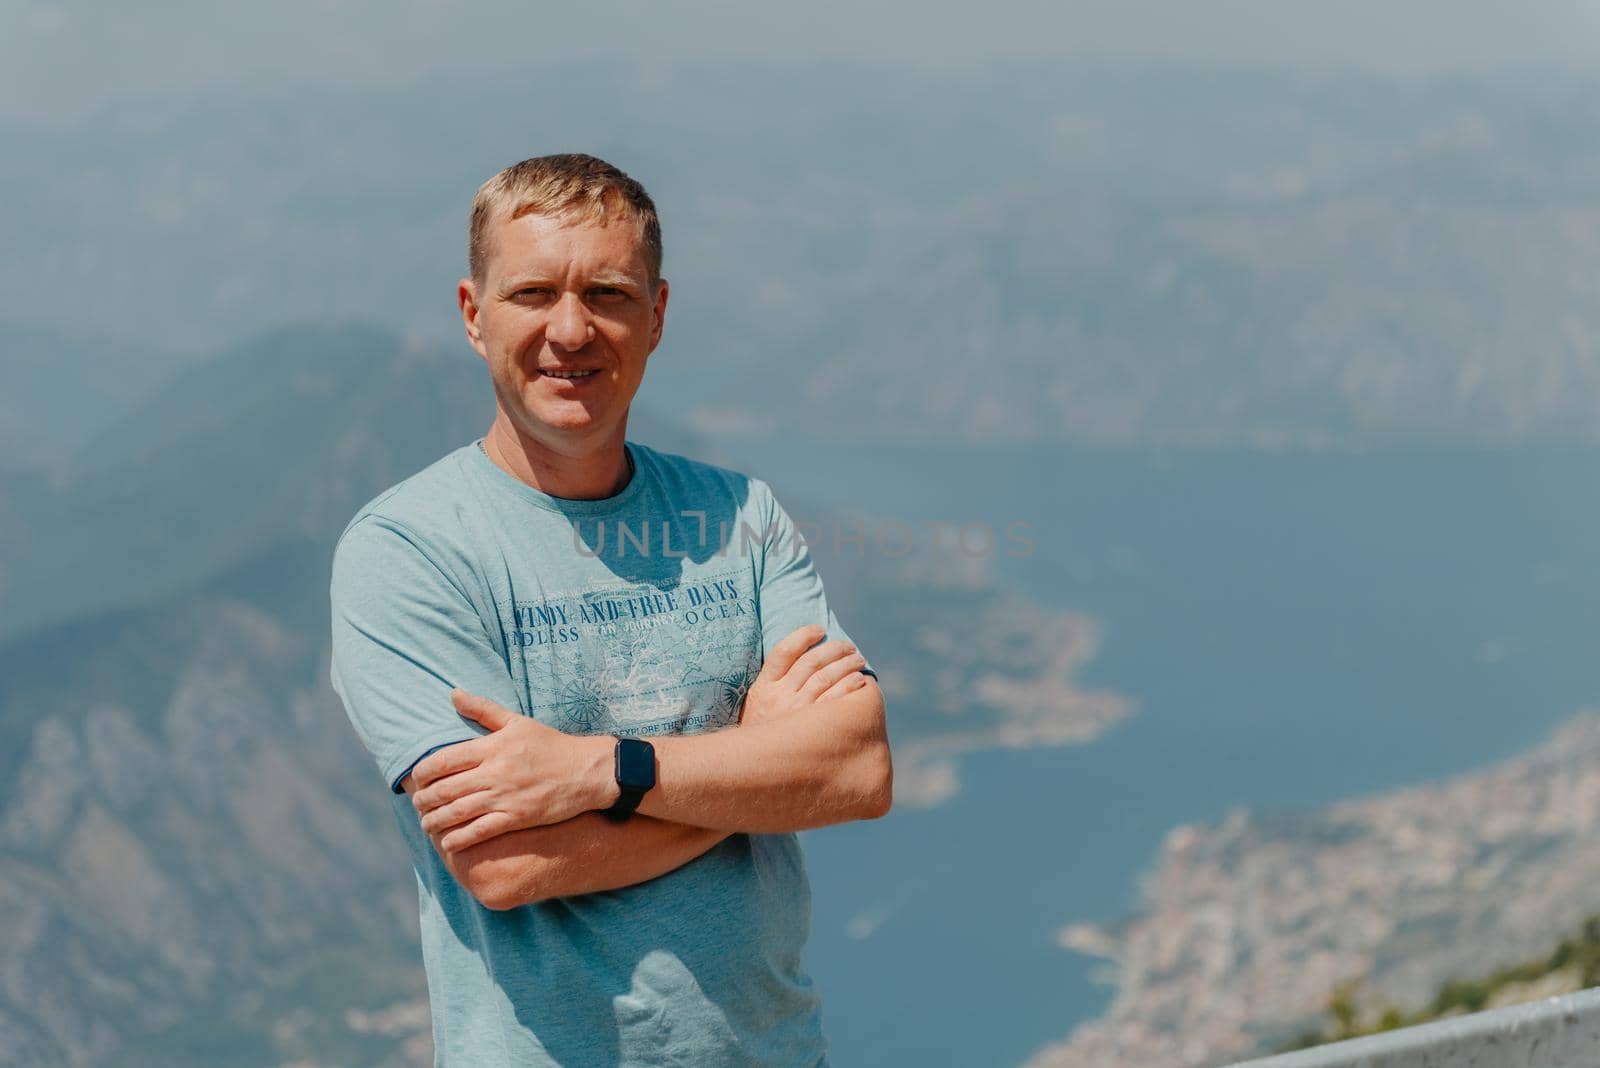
x=1249, y=927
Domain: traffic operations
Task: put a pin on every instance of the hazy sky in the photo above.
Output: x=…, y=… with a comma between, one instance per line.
x=58, y=59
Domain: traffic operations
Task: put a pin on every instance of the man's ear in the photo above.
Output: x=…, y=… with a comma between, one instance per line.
x=467, y=298
x=660, y=314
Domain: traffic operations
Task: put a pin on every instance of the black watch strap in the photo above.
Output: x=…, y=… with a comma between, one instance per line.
x=624, y=805
x=636, y=774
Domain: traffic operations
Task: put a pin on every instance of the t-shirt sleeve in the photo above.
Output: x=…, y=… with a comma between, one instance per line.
x=791, y=593
x=405, y=634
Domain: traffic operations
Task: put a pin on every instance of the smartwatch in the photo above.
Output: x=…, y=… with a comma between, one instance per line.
x=636, y=773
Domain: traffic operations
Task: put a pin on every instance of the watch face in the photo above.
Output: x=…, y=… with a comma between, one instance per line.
x=636, y=763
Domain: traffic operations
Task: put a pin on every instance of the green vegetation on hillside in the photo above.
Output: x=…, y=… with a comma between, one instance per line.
x=1578, y=954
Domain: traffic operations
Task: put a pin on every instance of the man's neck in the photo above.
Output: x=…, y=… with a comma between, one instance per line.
x=583, y=474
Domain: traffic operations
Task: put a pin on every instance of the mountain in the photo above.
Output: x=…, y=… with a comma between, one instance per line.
x=274, y=438
x=1573, y=965
x=282, y=436
x=1097, y=251
x=189, y=863
x=195, y=851
x=1250, y=928
x=57, y=388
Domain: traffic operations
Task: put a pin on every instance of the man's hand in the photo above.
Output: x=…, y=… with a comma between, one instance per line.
x=521, y=775
x=580, y=856
x=792, y=678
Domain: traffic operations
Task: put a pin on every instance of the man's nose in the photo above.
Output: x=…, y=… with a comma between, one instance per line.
x=569, y=325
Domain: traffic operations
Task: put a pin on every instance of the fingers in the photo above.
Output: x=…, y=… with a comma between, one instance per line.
x=481, y=710
x=460, y=810
x=849, y=684
x=454, y=758
x=491, y=825
x=788, y=650
x=831, y=673
x=446, y=790
x=824, y=654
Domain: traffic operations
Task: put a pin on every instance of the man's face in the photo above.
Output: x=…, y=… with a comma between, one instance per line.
x=560, y=297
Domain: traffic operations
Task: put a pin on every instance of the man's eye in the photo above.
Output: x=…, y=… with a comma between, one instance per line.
x=609, y=292
x=533, y=291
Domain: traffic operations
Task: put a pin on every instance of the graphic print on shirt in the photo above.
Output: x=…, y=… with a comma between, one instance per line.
x=639, y=659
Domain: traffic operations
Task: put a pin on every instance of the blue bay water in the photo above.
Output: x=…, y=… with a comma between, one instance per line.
x=1293, y=629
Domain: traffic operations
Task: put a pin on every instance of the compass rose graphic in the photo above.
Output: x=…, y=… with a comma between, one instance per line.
x=581, y=709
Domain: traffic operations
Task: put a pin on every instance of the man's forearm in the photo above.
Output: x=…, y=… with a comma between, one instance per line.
x=826, y=764
x=583, y=855
x=579, y=856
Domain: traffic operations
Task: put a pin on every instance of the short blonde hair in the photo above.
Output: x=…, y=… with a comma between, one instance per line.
x=570, y=184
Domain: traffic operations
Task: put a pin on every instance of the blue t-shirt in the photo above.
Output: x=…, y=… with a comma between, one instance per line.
x=644, y=613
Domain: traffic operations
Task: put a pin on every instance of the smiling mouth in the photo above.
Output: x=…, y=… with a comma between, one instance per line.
x=569, y=375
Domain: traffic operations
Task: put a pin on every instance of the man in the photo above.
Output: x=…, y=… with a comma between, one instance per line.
x=602, y=681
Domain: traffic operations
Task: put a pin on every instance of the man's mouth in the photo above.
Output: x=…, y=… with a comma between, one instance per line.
x=570, y=374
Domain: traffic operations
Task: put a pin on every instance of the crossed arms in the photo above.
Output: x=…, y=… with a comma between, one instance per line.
x=513, y=813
